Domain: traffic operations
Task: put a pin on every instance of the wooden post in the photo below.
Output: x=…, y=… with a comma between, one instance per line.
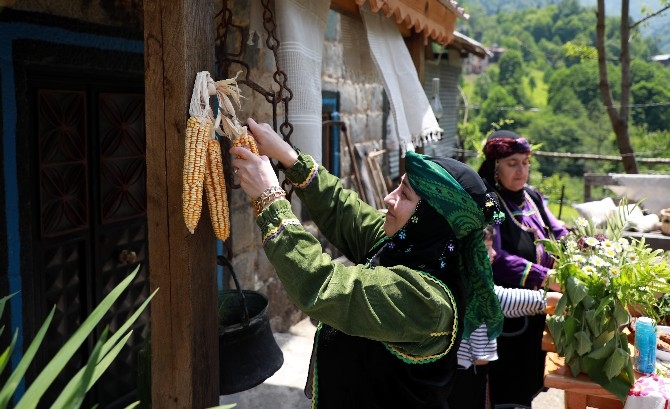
x=417, y=50
x=179, y=42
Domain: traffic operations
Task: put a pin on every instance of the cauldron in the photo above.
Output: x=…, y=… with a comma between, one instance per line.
x=248, y=352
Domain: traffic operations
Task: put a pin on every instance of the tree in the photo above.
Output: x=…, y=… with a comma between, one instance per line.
x=511, y=76
x=619, y=117
x=511, y=68
x=565, y=102
x=654, y=95
x=498, y=106
x=582, y=79
x=556, y=133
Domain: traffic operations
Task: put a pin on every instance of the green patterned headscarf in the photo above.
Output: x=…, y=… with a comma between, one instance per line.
x=457, y=193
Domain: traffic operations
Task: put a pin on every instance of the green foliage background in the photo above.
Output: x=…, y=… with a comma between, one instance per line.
x=545, y=87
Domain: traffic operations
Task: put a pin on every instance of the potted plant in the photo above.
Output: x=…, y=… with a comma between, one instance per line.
x=603, y=276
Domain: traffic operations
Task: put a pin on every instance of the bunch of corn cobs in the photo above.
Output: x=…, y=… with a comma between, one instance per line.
x=203, y=165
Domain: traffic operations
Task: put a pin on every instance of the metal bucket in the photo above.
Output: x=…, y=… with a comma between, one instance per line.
x=248, y=352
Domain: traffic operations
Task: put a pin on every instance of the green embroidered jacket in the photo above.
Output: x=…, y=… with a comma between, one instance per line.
x=410, y=311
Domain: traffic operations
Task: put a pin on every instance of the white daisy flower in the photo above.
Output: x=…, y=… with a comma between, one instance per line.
x=609, y=253
x=607, y=244
x=591, y=241
x=579, y=259
x=597, y=261
x=589, y=270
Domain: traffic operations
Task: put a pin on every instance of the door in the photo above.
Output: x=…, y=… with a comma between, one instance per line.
x=88, y=219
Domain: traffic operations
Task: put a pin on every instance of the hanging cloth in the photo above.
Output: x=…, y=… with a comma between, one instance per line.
x=301, y=26
x=415, y=122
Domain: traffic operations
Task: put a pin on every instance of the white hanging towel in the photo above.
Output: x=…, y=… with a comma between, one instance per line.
x=301, y=26
x=415, y=122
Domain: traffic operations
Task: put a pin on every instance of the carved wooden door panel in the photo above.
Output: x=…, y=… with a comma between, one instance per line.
x=88, y=210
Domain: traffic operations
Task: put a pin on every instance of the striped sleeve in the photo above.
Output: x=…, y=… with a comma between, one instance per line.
x=519, y=302
x=478, y=346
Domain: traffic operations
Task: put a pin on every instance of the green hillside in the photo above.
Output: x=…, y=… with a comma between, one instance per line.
x=655, y=28
x=545, y=86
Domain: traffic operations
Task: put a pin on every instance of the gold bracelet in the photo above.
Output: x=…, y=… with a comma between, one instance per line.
x=268, y=196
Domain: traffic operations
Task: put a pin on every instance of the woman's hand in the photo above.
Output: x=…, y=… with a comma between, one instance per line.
x=550, y=281
x=271, y=144
x=255, y=173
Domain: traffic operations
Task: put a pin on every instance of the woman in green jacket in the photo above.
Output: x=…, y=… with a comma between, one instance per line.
x=390, y=325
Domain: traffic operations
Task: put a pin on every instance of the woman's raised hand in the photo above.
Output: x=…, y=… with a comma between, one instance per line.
x=271, y=144
x=255, y=173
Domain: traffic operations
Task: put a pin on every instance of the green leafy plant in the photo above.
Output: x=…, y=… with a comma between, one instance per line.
x=103, y=354
x=604, y=276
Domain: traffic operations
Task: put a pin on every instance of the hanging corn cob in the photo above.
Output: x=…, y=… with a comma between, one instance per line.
x=215, y=186
x=195, y=159
x=198, y=130
x=246, y=141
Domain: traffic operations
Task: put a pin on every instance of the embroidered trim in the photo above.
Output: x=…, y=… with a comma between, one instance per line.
x=275, y=231
x=533, y=210
x=313, y=171
x=525, y=273
x=410, y=359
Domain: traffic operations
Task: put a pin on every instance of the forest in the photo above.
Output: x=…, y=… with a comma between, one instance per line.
x=545, y=87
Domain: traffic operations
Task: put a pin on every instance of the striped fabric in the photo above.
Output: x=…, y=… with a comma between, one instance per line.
x=514, y=302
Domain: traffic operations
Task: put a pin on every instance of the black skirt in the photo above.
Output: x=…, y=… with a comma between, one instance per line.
x=518, y=374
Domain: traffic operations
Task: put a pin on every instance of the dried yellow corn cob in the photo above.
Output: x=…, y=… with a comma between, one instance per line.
x=246, y=141
x=198, y=130
x=215, y=187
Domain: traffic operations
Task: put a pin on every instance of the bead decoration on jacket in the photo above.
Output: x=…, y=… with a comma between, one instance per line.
x=492, y=210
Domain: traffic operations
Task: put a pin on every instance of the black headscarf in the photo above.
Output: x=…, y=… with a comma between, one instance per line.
x=444, y=234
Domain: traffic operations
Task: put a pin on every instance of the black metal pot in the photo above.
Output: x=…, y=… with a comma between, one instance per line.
x=248, y=352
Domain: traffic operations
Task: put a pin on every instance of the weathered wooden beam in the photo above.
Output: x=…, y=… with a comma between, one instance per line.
x=179, y=38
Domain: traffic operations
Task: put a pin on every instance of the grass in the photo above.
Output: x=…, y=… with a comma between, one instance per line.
x=538, y=94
